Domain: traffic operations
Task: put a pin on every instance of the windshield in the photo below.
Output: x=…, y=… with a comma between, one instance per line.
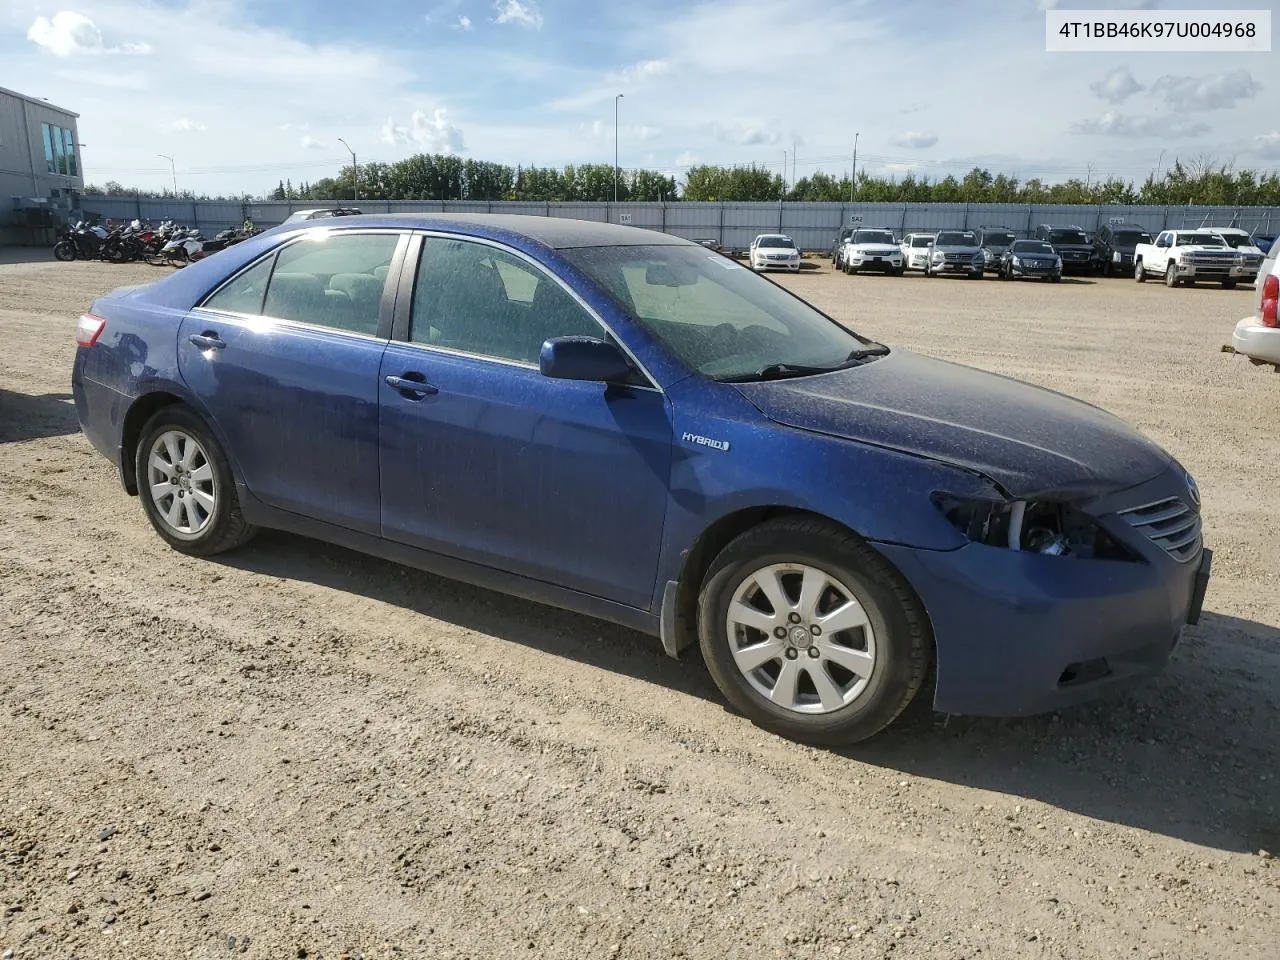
x=921, y=241
x=776, y=242
x=716, y=315
x=997, y=238
x=1067, y=236
x=1235, y=240
x=1200, y=240
x=873, y=236
x=957, y=239
x=1032, y=246
x=1129, y=238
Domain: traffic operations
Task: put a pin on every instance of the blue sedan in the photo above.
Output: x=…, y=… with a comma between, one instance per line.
x=626, y=424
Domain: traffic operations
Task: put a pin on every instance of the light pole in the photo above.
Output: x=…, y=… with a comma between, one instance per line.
x=355, y=172
x=853, y=177
x=172, y=169
x=615, y=146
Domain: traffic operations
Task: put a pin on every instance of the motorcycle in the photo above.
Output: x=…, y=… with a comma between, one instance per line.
x=81, y=241
x=122, y=245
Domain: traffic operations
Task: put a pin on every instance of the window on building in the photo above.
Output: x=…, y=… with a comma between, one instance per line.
x=68, y=139
x=59, y=150
x=46, y=135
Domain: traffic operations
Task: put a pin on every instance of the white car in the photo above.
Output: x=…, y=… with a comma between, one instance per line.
x=1185, y=256
x=774, y=251
x=871, y=249
x=1243, y=244
x=1258, y=336
x=915, y=250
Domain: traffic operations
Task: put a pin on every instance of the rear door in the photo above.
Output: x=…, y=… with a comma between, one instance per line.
x=285, y=356
x=491, y=462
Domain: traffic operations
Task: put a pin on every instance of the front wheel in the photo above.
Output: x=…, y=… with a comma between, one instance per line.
x=811, y=633
x=1139, y=272
x=186, y=487
x=1171, y=275
x=64, y=250
x=1228, y=284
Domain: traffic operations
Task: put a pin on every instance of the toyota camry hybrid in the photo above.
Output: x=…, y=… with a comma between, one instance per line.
x=626, y=424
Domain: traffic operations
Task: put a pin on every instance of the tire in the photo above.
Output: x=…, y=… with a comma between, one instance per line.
x=1057, y=279
x=1139, y=272
x=895, y=633
x=64, y=250
x=1171, y=276
x=168, y=436
x=1228, y=284
x=1005, y=274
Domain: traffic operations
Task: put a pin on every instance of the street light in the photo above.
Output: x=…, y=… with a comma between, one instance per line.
x=615, y=146
x=172, y=169
x=355, y=172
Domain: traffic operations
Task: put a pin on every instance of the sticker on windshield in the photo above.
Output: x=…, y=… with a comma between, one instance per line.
x=725, y=262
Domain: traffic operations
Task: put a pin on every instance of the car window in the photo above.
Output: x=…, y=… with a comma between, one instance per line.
x=921, y=241
x=332, y=280
x=244, y=293
x=478, y=299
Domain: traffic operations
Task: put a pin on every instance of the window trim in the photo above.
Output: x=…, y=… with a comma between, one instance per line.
x=408, y=285
x=386, y=308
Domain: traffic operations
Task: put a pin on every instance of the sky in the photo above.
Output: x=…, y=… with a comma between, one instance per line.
x=243, y=94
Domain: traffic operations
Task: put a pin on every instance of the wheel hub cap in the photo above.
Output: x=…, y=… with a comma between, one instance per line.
x=181, y=484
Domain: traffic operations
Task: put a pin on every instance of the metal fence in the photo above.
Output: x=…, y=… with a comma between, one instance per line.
x=813, y=226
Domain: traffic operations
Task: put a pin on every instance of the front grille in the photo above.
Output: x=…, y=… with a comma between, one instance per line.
x=1212, y=260
x=958, y=257
x=1169, y=524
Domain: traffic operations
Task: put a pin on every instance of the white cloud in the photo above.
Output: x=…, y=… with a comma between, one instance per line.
x=186, y=125
x=746, y=133
x=638, y=72
x=295, y=126
x=464, y=23
x=688, y=159
x=433, y=134
x=914, y=140
x=1114, y=124
x=311, y=143
x=69, y=34
x=1116, y=86
x=1269, y=143
x=1215, y=91
x=520, y=12
x=598, y=128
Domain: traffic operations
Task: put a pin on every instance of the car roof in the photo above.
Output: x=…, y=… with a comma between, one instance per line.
x=559, y=233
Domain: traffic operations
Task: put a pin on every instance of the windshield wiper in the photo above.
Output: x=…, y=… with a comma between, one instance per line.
x=776, y=371
x=864, y=353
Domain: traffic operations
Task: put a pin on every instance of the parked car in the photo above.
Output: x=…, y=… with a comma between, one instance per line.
x=606, y=419
x=872, y=249
x=1185, y=256
x=711, y=244
x=1032, y=260
x=915, y=250
x=955, y=251
x=1263, y=242
x=994, y=242
x=321, y=213
x=773, y=251
x=1258, y=336
x=1113, y=248
x=1071, y=244
x=838, y=245
x=1251, y=255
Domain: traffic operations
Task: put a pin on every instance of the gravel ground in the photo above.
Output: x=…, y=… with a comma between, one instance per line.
x=298, y=751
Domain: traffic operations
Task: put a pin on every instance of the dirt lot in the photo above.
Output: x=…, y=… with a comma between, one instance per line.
x=298, y=751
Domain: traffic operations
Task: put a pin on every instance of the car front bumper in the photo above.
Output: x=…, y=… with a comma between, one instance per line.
x=917, y=261
x=1028, y=273
x=870, y=263
x=1019, y=633
x=965, y=268
x=1203, y=271
x=1254, y=340
x=792, y=265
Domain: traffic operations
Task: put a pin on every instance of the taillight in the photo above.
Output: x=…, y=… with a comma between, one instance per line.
x=89, y=329
x=1270, y=293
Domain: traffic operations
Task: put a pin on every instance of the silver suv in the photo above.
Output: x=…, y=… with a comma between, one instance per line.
x=955, y=251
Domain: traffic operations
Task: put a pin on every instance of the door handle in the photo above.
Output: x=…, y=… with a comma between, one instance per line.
x=409, y=385
x=207, y=341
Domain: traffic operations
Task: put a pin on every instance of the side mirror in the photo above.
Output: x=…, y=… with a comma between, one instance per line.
x=583, y=358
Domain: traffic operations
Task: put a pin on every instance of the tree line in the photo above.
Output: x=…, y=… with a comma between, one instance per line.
x=449, y=177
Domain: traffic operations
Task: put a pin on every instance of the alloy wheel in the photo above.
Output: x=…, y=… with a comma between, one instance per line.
x=182, y=483
x=801, y=638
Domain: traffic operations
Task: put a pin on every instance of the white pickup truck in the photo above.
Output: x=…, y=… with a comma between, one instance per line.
x=1185, y=256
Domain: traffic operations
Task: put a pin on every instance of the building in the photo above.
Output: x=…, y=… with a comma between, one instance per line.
x=40, y=173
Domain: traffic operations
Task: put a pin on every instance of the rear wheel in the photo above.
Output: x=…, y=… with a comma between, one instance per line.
x=1171, y=275
x=1139, y=273
x=185, y=485
x=810, y=633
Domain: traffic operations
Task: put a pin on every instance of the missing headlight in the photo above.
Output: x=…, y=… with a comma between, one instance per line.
x=1047, y=528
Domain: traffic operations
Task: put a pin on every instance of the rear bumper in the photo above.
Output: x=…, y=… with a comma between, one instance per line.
x=1254, y=340
x=101, y=411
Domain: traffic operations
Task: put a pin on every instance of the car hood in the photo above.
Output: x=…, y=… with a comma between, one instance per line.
x=1031, y=441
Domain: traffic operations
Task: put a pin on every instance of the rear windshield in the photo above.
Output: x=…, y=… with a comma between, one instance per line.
x=1129, y=238
x=957, y=239
x=1032, y=246
x=997, y=238
x=873, y=236
x=921, y=241
x=1067, y=236
x=776, y=242
x=1235, y=240
x=1200, y=240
